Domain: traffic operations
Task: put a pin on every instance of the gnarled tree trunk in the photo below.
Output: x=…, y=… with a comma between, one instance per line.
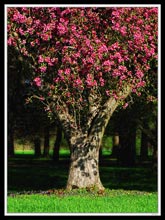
x=84, y=167
x=84, y=146
x=85, y=141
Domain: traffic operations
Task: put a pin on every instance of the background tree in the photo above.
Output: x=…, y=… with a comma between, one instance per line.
x=57, y=143
x=86, y=62
x=17, y=73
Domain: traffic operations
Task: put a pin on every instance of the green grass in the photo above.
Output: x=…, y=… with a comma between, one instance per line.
x=128, y=190
x=114, y=201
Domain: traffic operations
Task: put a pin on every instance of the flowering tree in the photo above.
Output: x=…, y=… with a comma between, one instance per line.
x=86, y=62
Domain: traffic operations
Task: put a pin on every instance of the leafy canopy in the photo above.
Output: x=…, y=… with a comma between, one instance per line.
x=77, y=52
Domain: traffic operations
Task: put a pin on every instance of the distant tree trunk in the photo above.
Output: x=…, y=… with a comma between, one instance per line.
x=127, y=152
x=37, y=147
x=115, y=148
x=57, y=144
x=11, y=143
x=46, y=142
x=155, y=160
x=144, y=146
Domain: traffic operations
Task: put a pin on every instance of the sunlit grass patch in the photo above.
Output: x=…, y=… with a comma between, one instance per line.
x=111, y=201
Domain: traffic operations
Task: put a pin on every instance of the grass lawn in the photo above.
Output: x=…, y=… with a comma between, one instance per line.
x=113, y=201
x=128, y=190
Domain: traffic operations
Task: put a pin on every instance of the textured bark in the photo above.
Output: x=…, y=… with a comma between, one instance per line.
x=46, y=142
x=84, y=167
x=57, y=144
x=85, y=142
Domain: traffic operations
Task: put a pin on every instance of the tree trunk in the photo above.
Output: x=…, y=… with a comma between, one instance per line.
x=85, y=142
x=37, y=147
x=57, y=144
x=10, y=144
x=115, y=148
x=144, y=146
x=84, y=167
x=127, y=154
x=46, y=142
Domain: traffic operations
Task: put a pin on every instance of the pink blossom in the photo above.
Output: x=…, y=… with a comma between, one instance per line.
x=123, y=77
x=24, y=51
x=107, y=63
x=61, y=28
x=139, y=74
x=123, y=30
x=67, y=71
x=107, y=92
x=37, y=81
x=115, y=96
x=78, y=82
x=103, y=48
x=102, y=81
x=46, y=36
x=116, y=13
x=37, y=41
x=125, y=105
x=90, y=60
x=122, y=68
x=37, y=22
x=10, y=41
x=68, y=94
x=43, y=69
x=50, y=64
x=54, y=60
x=32, y=43
x=42, y=98
x=47, y=59
x=90, y=82
x=19, y=17
x=116, y=73
x=140, y=84
x=30, y=31
x=40, y=59
x=24, y=42
x=21, y=31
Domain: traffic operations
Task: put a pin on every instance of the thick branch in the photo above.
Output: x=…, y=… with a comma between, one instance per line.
x=94, y=100
x=103, y=116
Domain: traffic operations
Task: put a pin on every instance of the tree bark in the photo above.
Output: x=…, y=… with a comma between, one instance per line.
x=84, y=167
x=85, y=141
x=37, y=147
x=46, y=142
x=144, y=146
x=57, y=144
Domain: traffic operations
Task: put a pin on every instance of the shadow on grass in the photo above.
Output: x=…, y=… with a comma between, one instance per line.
x=25, y=173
